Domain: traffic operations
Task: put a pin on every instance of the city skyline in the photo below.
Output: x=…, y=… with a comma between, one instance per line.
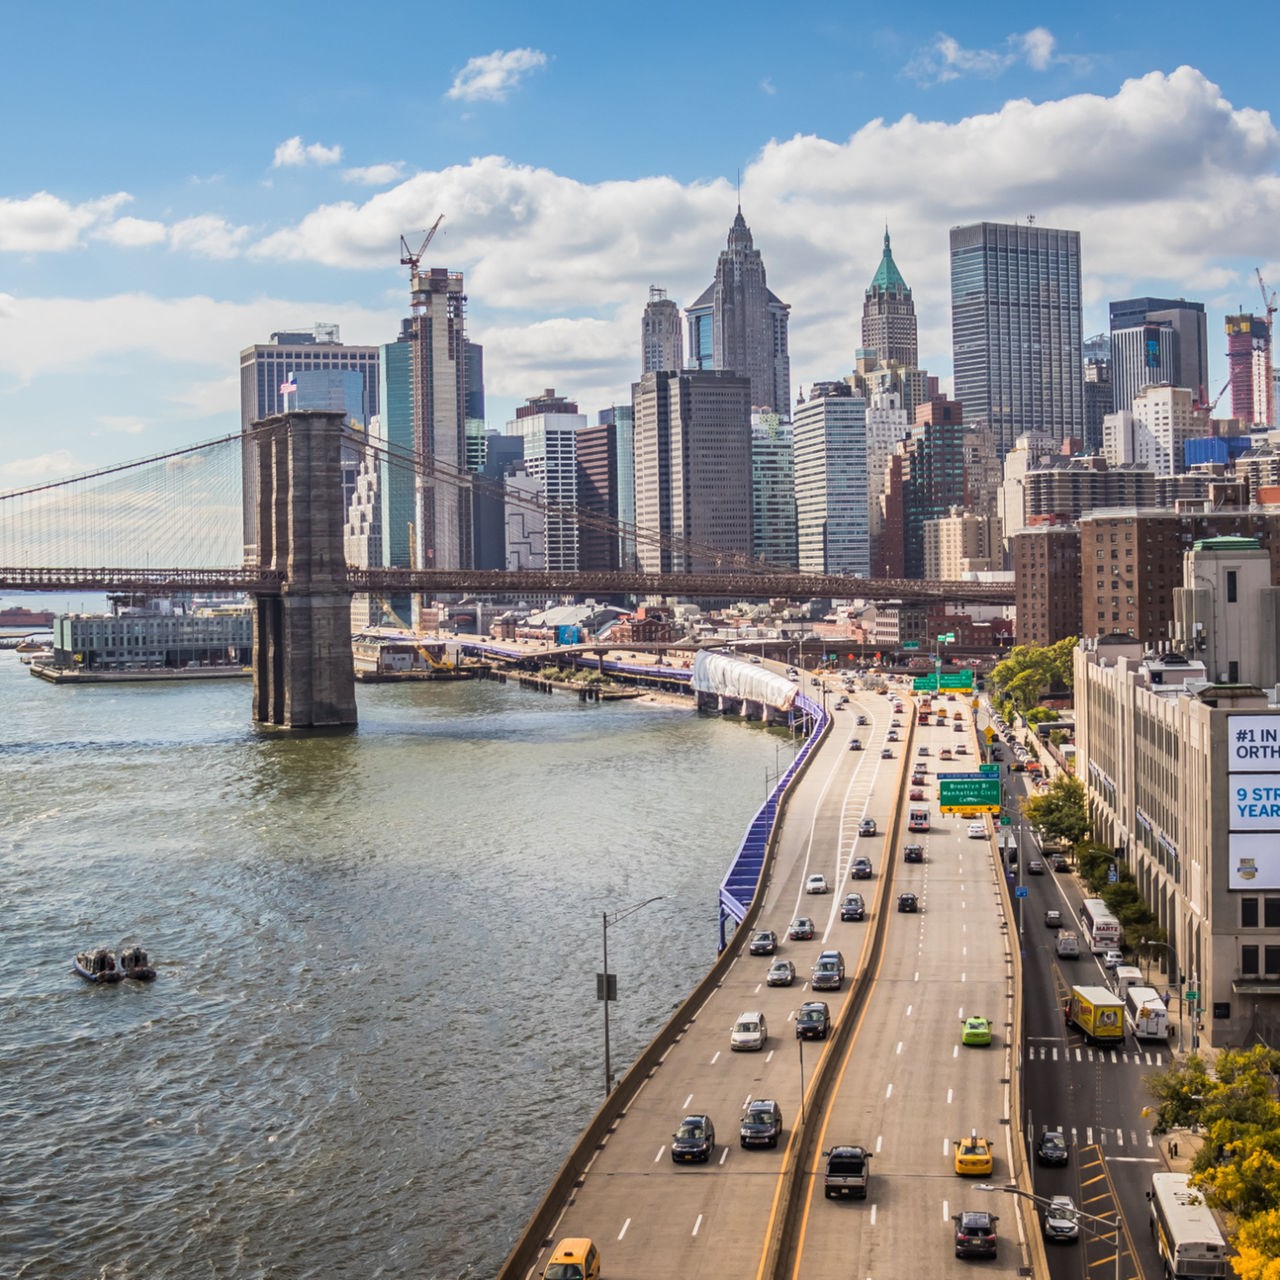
x=142, y=248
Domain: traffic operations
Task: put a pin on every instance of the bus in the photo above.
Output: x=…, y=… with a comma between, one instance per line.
x=1101, y=928
x=1185, y=1231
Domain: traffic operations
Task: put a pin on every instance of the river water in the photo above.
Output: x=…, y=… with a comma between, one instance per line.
x=374, y=1035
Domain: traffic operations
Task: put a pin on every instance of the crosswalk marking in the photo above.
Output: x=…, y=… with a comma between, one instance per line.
x=1103, y=1057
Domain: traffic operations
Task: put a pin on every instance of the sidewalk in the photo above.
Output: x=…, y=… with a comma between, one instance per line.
x=1178, y=1147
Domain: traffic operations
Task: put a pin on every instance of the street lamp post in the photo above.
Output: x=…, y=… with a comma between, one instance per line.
x=607, y=983
x=1111, y=1228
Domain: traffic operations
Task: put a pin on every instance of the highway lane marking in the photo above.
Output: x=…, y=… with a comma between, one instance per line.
x=873, y=1215
x=1134, y=1159
x=747, y=1103
x=879, y=1143
x=955, y=1051
x=950, y=1096
x=946, y=1212
x=946, y=1147
x=908, y=1011
x=658, y=1157
x=688, y=1100
x=769, y=1056
x=888, y=1093
x=715, y=1058
x=724, y=1155
x=697, y=1225
x=899, y=1049
x=623, y=1232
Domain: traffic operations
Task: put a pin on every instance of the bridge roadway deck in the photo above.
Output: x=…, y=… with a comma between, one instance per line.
x=907, y=1088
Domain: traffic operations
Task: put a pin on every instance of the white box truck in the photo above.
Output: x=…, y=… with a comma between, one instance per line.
x=1147, y=1012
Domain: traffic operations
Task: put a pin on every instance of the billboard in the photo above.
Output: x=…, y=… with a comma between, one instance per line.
x=1254, y=861
x=1253, y=744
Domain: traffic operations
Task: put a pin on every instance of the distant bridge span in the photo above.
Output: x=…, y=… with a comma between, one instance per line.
x=526, y=582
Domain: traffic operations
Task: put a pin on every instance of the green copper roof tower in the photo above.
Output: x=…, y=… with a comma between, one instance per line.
x=889, y=315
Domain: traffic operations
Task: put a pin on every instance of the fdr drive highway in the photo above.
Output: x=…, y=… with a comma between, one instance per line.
x=894, y=1075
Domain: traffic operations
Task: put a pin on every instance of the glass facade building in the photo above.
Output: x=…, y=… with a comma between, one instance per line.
x=830, y=442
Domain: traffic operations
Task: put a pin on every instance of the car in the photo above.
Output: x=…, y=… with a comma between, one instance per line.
x=761, y=1124
x=867, y=827
x=1111, y=959
x=895, y=724
x=847, y=1172
x=1052, y=1148
x=973, y=1155
x=969, y=815
x=977, y=830
x=1017, y=767
x=961, y=749
x=1059, y=862
x=891, y=736
x=755, y=657
x=817, y=884
x=957, y=725
x=852, y=907
x=782, y=973
x=815, y=681
x=749, y=1032
x=977, y=1030
x=898, y=709
x=764, y=942
x=693, y=1141
x=1062, y=1221
x=861, y=868
x=908, y=902
x=855, y=744
x=801, y=929
x=922, y=751
x=975, y=1234
x=813, y=1020
x=886, y=754
x=913, y=853
x=1053, y=918
x=574, y=1258
x=916, y=793
x=944, y=754
x=863, y=720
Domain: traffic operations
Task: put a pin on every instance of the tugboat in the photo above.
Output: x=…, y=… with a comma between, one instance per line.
x=135, y=964
x=97, y=966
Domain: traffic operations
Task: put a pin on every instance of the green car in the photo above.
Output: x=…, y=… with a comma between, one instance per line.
x=976, y=1031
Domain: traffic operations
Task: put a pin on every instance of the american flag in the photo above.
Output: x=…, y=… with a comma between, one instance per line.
x=289, y=385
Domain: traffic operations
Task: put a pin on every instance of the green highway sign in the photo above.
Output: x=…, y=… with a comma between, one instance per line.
x=1006, y=820
x=992, y=770
x=911, y=644
x=968, y=792
x=949, y=682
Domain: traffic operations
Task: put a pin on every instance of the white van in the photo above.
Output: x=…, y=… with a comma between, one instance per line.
x=1067, y=945
x=749, y=1032
x=1128, y=975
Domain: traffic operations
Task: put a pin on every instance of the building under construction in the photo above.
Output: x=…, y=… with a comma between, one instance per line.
x=1249, y=363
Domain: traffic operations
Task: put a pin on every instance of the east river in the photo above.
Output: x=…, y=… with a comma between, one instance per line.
x=374, y=1035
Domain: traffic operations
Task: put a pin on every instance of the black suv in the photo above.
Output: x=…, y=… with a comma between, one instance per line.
x=908, y=902
x=694, y=1140
x=853, y=907
x=975, y=1234
x=913, y=853
x=813, y=1021
x=762, y=1124
x=1052, y=1148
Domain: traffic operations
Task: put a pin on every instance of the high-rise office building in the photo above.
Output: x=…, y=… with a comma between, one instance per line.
x=1099, y=400
x=548, y=425
x=889, y=315
x=1017, y=330
x=474, y=382
x=621, y=418
x=597, y=455
x=502, y=455
x=692, y=467
x=830, y=441
x=739, y=326
x=660, y=336
x=933, y=475
x=773, y=491
x=1155, y=340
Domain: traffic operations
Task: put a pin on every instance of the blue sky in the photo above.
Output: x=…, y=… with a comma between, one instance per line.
x=177, y=183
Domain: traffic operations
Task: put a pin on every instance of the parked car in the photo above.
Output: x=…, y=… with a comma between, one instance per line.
x=694, y=1140
x=813, y=1020
x=761, y=1125
x=853, y=907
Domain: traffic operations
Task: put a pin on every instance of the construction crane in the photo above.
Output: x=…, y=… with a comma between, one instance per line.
x=1270, y=305
x=410, y=259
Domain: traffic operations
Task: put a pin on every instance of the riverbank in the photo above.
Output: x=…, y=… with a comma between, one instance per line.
x=69, y=675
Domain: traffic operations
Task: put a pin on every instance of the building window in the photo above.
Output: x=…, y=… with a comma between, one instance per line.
x=1271, y=913
x=1231, y=586
x=1249, y=961
x=1271, y=960
x=1249, y=913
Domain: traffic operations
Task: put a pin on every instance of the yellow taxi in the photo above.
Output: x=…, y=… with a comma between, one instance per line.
x=973, y=1155
x=575, y=1258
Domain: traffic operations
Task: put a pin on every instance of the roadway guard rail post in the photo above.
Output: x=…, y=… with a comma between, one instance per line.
x=535, y=1235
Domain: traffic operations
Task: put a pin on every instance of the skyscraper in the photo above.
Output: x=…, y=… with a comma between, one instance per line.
x=692, y=466
x=1158, y=340
x=660, y=333
x=773, y=491
x=548, y=425
x=830, y=443
x=739, y=326
x=1017, y=330
x=889, y=315
x=1249, y=365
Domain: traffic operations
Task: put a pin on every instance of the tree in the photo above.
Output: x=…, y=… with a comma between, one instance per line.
x=1258, y=1248
x=1031, y=669
x=1060, y=810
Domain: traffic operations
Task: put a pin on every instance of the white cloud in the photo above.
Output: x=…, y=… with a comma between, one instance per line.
x=293, y=153
x=207, y=236
x=767, y=86
x=375, y=175
x=128, y=426
x=947, y=59
x=132, y=233
x=490, y=77
x=44, y=223
x=18, y=472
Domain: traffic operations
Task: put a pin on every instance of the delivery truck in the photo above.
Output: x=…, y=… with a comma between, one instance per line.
x=1097, y=1013
x=1147, y=1012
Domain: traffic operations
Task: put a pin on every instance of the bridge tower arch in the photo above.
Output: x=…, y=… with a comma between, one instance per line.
x=303, y=675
